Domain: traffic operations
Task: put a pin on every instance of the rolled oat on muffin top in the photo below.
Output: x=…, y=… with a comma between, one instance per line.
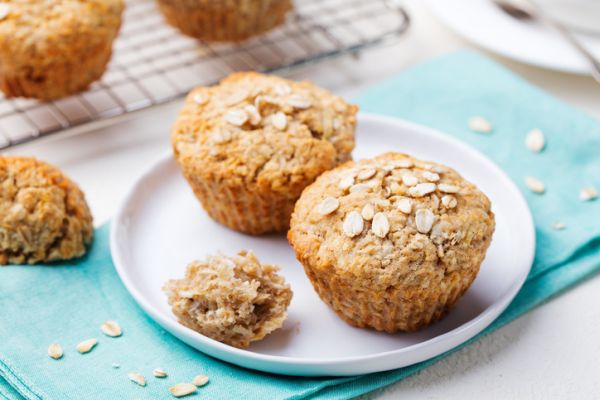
x=391, y=242
x=53, y=48
x=250, y=145
x=43, y=214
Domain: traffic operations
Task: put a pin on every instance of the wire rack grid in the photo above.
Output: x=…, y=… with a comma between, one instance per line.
x=153, y=63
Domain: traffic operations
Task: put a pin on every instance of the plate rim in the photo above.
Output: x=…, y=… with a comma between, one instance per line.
x=273, y=363
x=436, y=6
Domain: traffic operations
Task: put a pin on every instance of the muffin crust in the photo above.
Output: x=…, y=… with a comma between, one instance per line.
x=392, y=242
x=234, y=300
x=43, y=214
x=249, y=146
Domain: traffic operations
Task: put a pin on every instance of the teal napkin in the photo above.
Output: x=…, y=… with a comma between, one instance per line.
x=66, y=303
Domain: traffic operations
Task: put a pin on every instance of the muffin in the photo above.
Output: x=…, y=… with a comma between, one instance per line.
x=225, y=20
x=391, y=242
x=250, y=145
x=43, y=214
x=234, y=300
x=53, y=48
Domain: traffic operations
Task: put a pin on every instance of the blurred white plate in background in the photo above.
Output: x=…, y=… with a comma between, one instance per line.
x=483, y=23
x=160, y=227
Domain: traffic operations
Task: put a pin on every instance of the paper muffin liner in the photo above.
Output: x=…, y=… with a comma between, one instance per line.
x=391, y=310
x=241, y=209
x=227, y=20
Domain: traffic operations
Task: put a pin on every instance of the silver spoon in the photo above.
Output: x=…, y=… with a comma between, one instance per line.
x=528, y=10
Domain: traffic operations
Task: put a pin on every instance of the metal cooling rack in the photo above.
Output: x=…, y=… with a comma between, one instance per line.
x=153, y=63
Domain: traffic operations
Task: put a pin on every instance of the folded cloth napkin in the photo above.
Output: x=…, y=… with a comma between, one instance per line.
x=66, y=303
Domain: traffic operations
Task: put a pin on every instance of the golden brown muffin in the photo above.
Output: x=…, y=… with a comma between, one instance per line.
x=249, y=146
x=224, y=20
x=43, y=214
x=234, y=300
x=392, y=242
x=53, y=48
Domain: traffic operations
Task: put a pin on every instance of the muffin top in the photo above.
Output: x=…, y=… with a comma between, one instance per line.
x=264, y=131
x=31, y=27
x=392, y=220
x=43, y=214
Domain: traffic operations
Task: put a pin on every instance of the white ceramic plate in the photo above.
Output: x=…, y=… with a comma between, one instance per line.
x=483, y=23
x=160, y=227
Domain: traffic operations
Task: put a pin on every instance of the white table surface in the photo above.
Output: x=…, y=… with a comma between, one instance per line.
x=550, y=353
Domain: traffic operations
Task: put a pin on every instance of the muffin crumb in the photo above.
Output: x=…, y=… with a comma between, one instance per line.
x=234, y=300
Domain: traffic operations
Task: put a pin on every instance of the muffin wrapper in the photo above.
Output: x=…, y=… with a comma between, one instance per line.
x=240, y=209
x=227, y=20
x=388, y=311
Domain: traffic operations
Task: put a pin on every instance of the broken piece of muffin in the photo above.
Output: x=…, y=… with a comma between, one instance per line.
x=235, y=300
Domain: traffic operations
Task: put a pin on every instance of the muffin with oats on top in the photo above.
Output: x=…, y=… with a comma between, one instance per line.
x=250, y=145
x=54, y=48
x=43, y=214
x=224, y=20
x=392, y=242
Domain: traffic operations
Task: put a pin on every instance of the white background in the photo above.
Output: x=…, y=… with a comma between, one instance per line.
x=551, y=353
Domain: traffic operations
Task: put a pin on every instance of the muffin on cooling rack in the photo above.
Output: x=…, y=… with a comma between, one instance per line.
x=392, y=242
x=250, y=145
x=43, y=214
x=53, y=48
x=225, y=20
x=234, y=300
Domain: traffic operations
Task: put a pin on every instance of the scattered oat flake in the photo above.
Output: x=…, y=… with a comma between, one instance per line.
x=236, y=116
x=159, y=373
x=480, y=124
x=446, y=188
x=200, y=380
x=535, y=185
x=559, y=226
x=346, y=182
x=405, y=205
x=422, y=189
x=360, y=186
x=279, y=120
x=200, y=98
x=111, y=328
x=367, y=212
x=55, y=351
x=328, y=205
x=381, y=225
x=4, y=10
x=183, y=389
x=86, y=346
x=353, y=224
x=424, y=219
x=137, y=378
x=366, y=174
x=588, y=193
x=535, y=140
